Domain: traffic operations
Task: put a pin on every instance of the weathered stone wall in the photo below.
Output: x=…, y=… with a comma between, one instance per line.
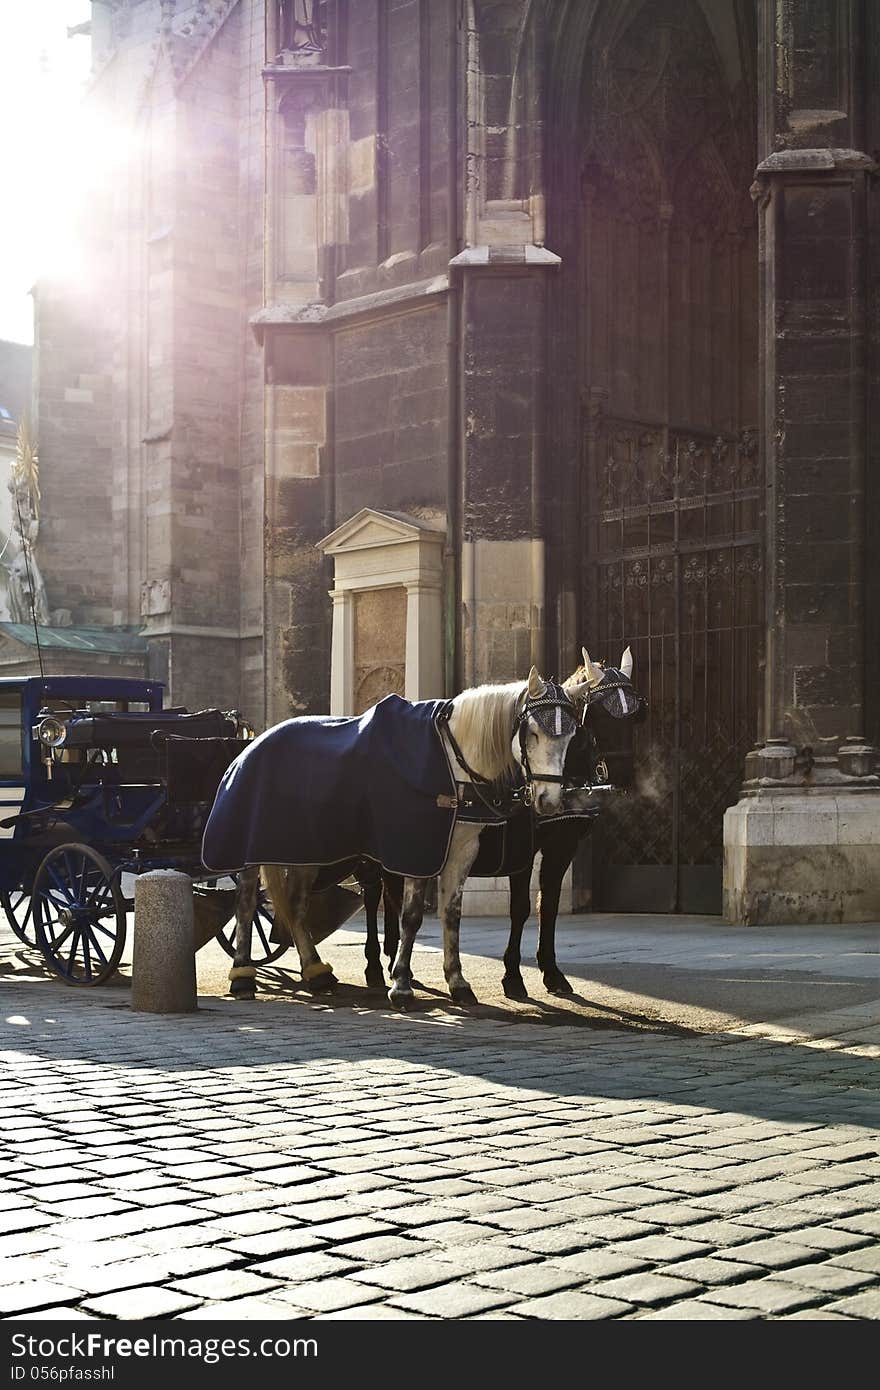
x=251, y=192
x=88, y=347
x=503, y=467
x=358, y=223
x=801, y=844
x=297, y=606
x=73, y=434
x=150, y=430
x=206, y=332
x=399, y=207
x=390, y=414
x=872, y=365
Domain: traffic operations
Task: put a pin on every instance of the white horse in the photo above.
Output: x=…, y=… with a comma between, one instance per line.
x=494, y=732
x=491, y=733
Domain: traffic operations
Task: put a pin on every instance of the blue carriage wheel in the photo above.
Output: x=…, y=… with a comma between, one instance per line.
x=79, y=914
x=17, y=906
x=263, y=949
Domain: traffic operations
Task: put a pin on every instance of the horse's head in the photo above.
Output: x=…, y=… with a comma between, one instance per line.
x=595, y=686
x=545, y=725
x=608, y=706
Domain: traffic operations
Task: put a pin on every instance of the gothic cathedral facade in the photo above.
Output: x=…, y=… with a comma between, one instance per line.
x=418, y=341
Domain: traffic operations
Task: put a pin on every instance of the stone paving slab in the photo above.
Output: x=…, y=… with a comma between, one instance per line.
x=300, y=1158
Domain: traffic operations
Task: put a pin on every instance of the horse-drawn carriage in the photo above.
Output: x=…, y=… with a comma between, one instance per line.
x=97, y=783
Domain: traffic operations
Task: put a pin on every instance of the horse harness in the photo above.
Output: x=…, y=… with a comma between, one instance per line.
x=555, y=714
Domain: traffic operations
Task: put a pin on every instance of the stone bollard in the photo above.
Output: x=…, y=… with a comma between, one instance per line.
x=163, y=972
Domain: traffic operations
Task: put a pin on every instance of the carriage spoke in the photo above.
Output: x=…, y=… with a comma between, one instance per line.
x=70, y=959
x=74, y=889
x=96, y=945
x=56, y=901
x=99, y=926
x=101, y=899
x=58, y=941
x=261, y=929
x=61, y=885
x=83, y=881
x=258, y=923
x=87, y=962
x=16, y=906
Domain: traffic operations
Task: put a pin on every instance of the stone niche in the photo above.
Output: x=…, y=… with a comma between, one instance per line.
x=387, y=609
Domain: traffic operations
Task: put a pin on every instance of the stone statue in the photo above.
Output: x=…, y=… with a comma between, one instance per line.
x=25, y=591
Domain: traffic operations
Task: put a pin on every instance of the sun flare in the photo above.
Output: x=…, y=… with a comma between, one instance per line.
x=48, y=144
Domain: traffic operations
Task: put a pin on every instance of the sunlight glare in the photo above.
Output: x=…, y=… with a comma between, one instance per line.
x=46, y=147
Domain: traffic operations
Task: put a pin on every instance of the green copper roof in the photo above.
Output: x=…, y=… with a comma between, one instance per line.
x=82, y=639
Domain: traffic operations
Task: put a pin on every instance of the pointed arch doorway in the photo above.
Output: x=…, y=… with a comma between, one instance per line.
x=670, y=555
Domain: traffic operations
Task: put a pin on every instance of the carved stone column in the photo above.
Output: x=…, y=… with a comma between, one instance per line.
x=803, y=842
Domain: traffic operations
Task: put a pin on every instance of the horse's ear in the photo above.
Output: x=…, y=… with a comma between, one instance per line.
x=537, y=686
x=626, y=663
x=593, y=673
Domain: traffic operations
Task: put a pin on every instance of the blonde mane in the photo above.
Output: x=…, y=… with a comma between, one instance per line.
x=579, y=678
x=576, y=678
x=482, y=724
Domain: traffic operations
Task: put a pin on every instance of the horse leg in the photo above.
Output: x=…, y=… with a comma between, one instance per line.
x=392, y=904
x=373, y=974
x=462, y=853
x=242, y=973
x=401, y=991
x=290, y=888
x=520, y=907
x=558, y=852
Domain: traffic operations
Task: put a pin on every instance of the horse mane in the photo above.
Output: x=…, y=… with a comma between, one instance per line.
x=482, y=723
x=576, y=678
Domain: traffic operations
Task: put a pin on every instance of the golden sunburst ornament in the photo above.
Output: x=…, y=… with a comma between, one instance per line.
x=26, y=467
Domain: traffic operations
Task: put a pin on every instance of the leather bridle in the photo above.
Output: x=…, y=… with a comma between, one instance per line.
x=554, y=697
x=618, y=681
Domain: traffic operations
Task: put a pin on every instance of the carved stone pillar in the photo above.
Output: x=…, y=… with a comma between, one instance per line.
x=803, y=842
x=342, y=648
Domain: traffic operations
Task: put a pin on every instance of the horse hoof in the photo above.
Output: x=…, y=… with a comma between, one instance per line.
x=322, y=984
x=400, y=997
x=375, y=979
x=463, y=994
x=557, y=984
x=514, y=988
x=248, y=995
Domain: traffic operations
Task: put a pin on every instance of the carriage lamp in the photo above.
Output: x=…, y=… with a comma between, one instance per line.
x=51, y=731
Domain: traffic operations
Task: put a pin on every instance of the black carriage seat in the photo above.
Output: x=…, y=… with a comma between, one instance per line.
x=187, y=753
x=137, y=729
x=193, y=766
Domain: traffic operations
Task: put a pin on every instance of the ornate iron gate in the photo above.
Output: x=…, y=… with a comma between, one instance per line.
x=668, y=344
x=676, y=574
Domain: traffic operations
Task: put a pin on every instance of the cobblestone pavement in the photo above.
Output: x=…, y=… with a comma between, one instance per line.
x=294, y=1158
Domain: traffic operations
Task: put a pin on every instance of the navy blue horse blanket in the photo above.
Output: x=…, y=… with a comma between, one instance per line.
x=321, y=789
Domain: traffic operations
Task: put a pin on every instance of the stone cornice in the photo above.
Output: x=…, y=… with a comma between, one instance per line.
x=504, y=257
x=400, y=299
x=809, y=161
x=291, y=72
